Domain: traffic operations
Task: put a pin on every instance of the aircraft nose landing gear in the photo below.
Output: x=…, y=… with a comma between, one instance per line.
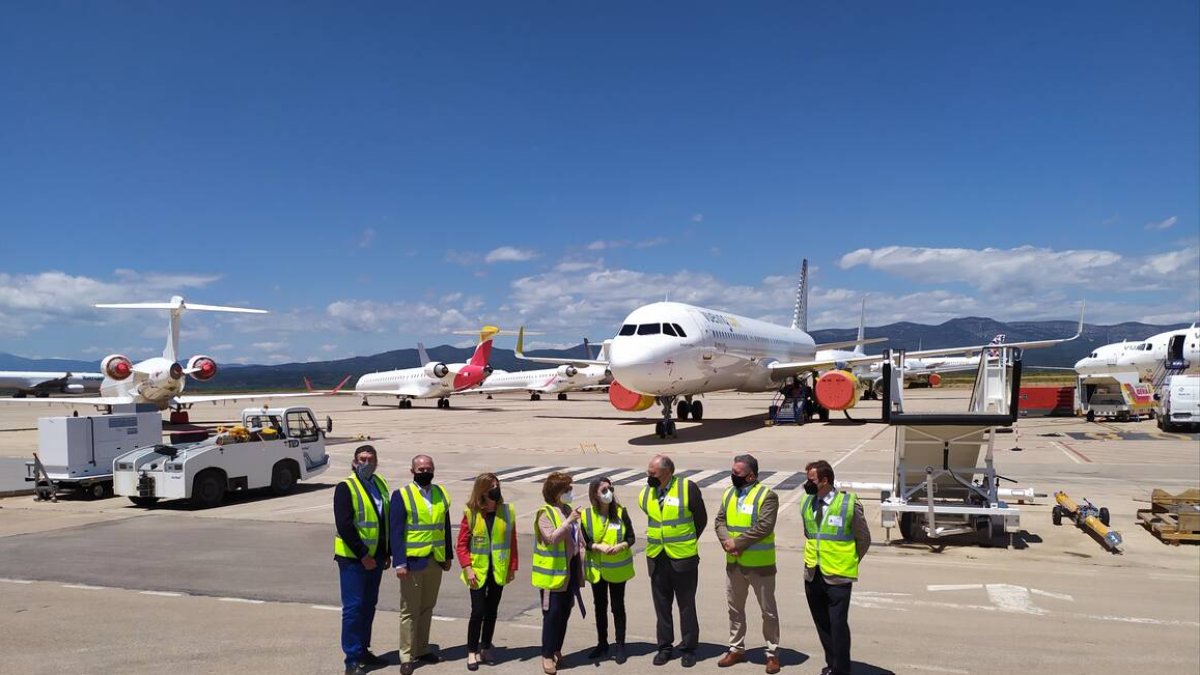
x=665, y=426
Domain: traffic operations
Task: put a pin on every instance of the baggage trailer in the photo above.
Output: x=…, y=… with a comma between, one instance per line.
x=272, y=448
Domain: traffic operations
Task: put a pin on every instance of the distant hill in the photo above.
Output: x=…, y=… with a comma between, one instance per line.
x=904, y=335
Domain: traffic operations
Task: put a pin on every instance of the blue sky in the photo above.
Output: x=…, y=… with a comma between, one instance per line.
x=382, y=173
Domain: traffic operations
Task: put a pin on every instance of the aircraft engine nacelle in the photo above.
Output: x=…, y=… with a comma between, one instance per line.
x=935, y=379
x=838, y=390
x=72, y=389
x=202, y=368
x=630, y=401
x=437, y=370
x=116, y=367
x=568, y=371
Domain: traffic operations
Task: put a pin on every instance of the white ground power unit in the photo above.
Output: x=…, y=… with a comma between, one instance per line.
x=78, y=452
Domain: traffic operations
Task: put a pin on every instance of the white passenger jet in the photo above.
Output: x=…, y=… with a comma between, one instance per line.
x=1177, y=351
x=431, y=379
x=159, y=381
x=667, y=351
x=42, y=384
x=566, y=378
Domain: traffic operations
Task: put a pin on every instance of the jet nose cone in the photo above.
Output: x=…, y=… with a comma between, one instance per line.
x=639, y=366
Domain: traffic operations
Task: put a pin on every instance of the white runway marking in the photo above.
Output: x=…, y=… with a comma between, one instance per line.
x=952, y=587
x=248, y=601
x=327, y=608
x=16, y=581
x=1009, y=598
x=1048, y=594
x=85, y=587
x=800, y=493
x=1064, y=451
x=161, y=594
x=435, y=617
x=935, y=669
x=306, y=508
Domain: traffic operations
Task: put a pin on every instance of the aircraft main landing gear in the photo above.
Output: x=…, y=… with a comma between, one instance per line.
x=535, y=396
x=444, y=403
x=562, y=396
x=689, y=408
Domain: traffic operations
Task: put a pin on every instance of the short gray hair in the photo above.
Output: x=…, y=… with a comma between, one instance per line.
x=749, y=461
x=665, y=462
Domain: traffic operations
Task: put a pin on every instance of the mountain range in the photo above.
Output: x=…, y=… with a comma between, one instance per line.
x=903, y=335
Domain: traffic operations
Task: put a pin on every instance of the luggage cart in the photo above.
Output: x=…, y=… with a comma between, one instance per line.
x=945, y=481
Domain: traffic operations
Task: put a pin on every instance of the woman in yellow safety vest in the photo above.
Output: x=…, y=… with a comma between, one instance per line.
x=487, y=553
x=608, y=538
x=557, y=569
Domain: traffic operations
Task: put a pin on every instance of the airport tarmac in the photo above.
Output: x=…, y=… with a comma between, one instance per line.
x=103, y=586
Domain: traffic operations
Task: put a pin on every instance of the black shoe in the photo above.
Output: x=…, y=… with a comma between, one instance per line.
x=688, y=659
x=598, y=652
x=356, y=669
x=430, y=658
x=406, y=668
x=369, y=659
x=661, y=658
x=620, y=656
x=472, y=666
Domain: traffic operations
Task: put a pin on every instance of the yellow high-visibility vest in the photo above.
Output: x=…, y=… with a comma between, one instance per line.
x=549, y=569
x=426, y=526
x=493, y=547
x=830, y=543
x=670, y=527
x=611, y=567
x=366, y=520
x=740, y=518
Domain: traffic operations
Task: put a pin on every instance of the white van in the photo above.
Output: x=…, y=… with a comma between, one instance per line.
x=1179, y=402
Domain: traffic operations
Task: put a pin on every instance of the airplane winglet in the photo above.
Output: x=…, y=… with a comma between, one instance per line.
x=307, y=384
x=520, y=351
x=1082, y=308
x=488, y=333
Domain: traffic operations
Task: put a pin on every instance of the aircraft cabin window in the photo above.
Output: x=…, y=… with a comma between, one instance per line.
x=649, y=329
x=669, y=330
x=628, y=329
x=679, y=330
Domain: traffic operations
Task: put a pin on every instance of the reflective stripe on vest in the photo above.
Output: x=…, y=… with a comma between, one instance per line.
x=670, y=527
x=614, y=568
x=490, y=548
x=366, y=520
x=426, y=525
x=762, y=552
x=827, y=545
x=549, y=561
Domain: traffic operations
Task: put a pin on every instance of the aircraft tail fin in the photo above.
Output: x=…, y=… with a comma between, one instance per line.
x=422, y=354
x=800, y=312
x=176, y=306
x=862, y=327
x=484, y=350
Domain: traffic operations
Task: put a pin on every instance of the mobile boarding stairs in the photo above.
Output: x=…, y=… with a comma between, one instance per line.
x=944, y=478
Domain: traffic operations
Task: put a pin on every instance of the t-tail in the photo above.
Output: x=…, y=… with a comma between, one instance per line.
x=483, y=352
x=176, y=307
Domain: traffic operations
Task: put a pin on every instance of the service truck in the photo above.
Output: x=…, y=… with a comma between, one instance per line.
x=1119, y=396
x=271, y=448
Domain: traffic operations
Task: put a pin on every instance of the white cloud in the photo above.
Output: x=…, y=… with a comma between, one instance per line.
x=269, y=346
x=650, y=243
x=369, y=316
x=698, y=218
x=509, y=254
x=366, y=238
x=1163, y=224
x=329, y=348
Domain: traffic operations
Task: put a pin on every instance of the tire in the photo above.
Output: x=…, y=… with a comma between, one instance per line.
x=697, y=411
x=208, y=489
x=907, y=525
x=144, y=501
x=1123, y=416
x=682, y=410
x=1056, y=515
x=562, y=397
x=773, y=412
x=1091, y=416
x=823, y=413
x=670, y=427
x=660, y=429
x=1104, y=515
x=284, y=477
x=984, y=531
x=1159, y=423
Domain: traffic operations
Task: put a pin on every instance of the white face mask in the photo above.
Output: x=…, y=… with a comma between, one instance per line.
x=567, y=497
x=606, y=496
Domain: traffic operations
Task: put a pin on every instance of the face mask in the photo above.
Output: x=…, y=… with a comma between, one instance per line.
x=739, y=482
x=364, y=472
x=606, y=496
x=567, y=497
x=810, y=487
x=423, y=479
x=653, y=482
x=494, y=494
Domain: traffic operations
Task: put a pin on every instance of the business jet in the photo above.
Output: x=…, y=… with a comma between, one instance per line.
x=431, y=379
x=159, y=381
x=567, y=377
x=670, y=352
x=42, y=384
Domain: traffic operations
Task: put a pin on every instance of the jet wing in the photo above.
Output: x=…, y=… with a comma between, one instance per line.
x=219, y=398
x=849, y=343
x=73, y=400
x=519, y=352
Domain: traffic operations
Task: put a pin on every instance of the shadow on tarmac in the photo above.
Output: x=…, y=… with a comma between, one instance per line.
x=239, y=497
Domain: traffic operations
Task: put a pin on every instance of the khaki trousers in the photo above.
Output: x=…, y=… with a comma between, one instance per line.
x=738, y=582
x=418, y=597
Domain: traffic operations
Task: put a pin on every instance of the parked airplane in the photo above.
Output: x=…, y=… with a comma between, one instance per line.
x=1175, y=350
x=42, y=384
x=431, y=380
x=567, y=377
x=670, y=352
x=159, y=381
x=927, y=372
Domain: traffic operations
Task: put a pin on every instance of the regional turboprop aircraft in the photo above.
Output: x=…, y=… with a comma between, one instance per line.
x=159, y=381
x=42, y=384
x=667, y=351
x=431, y=380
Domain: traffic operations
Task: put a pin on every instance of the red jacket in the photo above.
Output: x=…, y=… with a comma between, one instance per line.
x=463, y=547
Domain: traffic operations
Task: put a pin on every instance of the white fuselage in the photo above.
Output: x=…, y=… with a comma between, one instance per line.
x=150, y=382
x=545, y=380
x=718, y=351
x=408, y=383
x=1145, y=357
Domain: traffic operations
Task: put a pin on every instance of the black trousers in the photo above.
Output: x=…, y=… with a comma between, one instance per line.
x=557, y=612
x=484, y=602
x=668, y=584
x=830, y=608
x=601, y=592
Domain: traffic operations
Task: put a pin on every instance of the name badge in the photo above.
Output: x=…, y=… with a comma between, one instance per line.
x=671, y=501
x=614, y=526
x=746, y=509
x=480, y=542
x=835, y=521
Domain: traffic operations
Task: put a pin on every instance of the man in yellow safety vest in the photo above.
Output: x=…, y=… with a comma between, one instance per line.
x=836, y=539
x=745, y=526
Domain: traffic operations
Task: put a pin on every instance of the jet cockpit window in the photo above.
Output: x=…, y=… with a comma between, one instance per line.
x=679, y=330
x=669, y=330
x=649, y=329
x=628, y=329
